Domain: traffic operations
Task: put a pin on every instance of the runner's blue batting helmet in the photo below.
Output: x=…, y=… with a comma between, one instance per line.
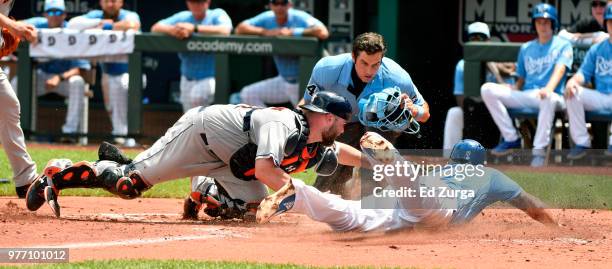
x=545, y=11
x=383, y=110
x=468, y=151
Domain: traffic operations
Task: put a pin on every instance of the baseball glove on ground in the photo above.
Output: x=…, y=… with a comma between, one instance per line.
x=11, y=42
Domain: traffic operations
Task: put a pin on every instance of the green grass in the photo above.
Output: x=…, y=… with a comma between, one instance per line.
x=179, y=264
x=558, y=190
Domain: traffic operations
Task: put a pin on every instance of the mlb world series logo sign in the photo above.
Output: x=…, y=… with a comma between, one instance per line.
x=510, y=20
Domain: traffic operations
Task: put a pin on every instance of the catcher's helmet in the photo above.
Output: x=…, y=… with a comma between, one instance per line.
x=545, y=11
x=329, y=102
x=468, y=151
x=607, y=16
x=382, y=110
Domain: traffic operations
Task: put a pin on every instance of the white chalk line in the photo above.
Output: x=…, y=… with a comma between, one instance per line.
x=214, y=233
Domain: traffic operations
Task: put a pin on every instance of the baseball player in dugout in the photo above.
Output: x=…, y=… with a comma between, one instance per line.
x=358, y=76
x=62, y=77
x=542, y=66
x=243, y=148
x=597, y=68
x=115, y=78
x=501, y=73
x=280, y=20
x=11, y=135
x=197, y=69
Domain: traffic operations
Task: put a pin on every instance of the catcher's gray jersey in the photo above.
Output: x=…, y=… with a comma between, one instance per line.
x=269, y=130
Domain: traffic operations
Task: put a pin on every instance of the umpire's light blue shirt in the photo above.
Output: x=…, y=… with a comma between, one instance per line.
x=56, y=66
x=333, y=73
x=196, y=65
x=598, y=65
x=298, y=20
x=536, y=62
x=115, y=68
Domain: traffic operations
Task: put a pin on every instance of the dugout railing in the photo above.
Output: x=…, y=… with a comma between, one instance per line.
x=308, y=49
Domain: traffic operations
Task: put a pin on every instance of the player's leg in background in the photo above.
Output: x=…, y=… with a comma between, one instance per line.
x=118, y=86
x=105, y=93
x=74, y=90
x=203, y=92
x=11, y=136
x=268, y=91
x=546, y=116
x=187, y=88
x=584, y=100
x=497, y=98
x=453, y=129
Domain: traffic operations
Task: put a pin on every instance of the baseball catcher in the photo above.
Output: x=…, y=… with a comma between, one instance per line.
x=243, y=148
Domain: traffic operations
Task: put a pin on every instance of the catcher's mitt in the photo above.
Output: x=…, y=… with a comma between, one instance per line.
x=11, y=42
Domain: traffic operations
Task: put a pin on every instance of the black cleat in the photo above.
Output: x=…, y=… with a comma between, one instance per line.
x=35, y=196
x=22, y=191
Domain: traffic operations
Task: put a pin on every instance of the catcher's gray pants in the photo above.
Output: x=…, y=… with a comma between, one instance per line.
x=181, y=152
x=11, y=135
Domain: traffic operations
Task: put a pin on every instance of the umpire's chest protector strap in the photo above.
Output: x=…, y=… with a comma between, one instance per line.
x=298, y=155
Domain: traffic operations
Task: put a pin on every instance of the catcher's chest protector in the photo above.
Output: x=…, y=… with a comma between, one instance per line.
x=298, y=155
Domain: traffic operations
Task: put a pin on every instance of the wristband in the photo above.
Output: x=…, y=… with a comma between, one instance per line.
x=62, y=78
x=298, y=31
x=195, y=28
x=420, y=112
x=107, y=26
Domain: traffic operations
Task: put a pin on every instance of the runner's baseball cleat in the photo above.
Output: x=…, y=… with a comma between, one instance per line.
x=277, y=203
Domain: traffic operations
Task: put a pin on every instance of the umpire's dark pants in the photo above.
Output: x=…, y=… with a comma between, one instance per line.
x=352, y=134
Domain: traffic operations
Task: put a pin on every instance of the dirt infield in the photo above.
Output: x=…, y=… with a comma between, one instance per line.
x=111, y=228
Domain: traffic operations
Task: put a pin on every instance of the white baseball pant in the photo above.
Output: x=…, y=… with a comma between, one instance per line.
x=117, y=88
x=196, y=93
x=274, y=90
x=453, y=129
x=347, y=215
x=586, y=100
x=11, y=135
x=498, y=97
x=73, y=89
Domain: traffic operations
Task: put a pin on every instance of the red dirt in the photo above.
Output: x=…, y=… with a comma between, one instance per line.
x=499, y=238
